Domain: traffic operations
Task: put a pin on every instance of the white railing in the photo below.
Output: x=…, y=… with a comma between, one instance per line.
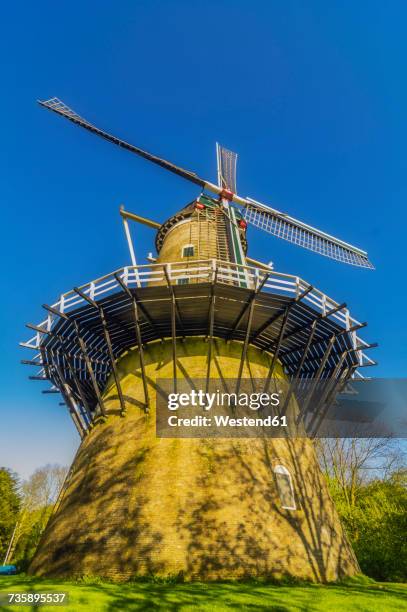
x=201, y=271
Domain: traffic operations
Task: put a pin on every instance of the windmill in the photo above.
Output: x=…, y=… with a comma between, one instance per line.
x=136, y=504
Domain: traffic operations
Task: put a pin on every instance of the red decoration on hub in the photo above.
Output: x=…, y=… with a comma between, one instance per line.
x=225, y=193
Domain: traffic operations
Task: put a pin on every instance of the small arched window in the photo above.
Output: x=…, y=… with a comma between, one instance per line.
x=285, y=487
x=188, y=250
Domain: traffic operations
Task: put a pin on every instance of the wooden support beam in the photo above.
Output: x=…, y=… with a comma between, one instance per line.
x=341, y=381
x=320, y=317
x=246, y=343
x=90, y=369
x=78, y=385
x=141, y=355
x=269, y=323
x=138, y=337
x=112, y=361
x=300, y=365
x=333, y=376
x=278, y=346
x=172, y=293
x=66, y=317
x=325, y=356
x=174, y=314
x=56, y=312
x=41, y=330
x=354, y=328
x=247, y=306
x=366, y=365
x=133, y=296
x=138, y=219
x=317, y=359
x=339, y=333
x=316, y=378
x=86, y=297
x=211, y=326
x=63, y=341
x=32, y=363
x=147, y=316
x=174, y=341
x=45, y=360
x=280, y=313
x=106, y=334
x=327, y=395
x=366, y=347
x=306, y=348
x=69, y=400
x=258, y=264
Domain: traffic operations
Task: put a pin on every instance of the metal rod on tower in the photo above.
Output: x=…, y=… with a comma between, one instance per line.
x=131, y=247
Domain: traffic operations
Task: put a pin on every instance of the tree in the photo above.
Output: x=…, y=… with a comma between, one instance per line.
x=352, y=462
x=38, y=495
x=43, y=486
x=381, y=519
x=368, y=482
x=9, y=507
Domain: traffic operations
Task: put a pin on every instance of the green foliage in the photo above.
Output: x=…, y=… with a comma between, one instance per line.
x=9, y=507
x=25, y=509
x=34, y=523
x=105, y=596
x=377, y=525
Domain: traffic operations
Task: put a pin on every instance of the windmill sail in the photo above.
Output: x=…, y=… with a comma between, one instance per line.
x=283, y=226
x=57, y=106
x=226, y=168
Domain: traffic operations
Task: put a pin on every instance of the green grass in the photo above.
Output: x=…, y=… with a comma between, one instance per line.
x=97, y=596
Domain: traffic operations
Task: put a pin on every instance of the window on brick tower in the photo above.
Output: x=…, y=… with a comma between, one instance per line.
x=188, y=250
x=182, y=281
x=285, y=487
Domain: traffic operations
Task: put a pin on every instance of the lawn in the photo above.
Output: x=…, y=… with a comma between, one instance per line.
x=96, y=596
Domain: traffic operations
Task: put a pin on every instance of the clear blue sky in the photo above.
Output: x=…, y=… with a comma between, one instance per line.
x=313, y=97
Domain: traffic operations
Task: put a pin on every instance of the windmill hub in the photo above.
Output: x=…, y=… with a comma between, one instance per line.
x=201, y=230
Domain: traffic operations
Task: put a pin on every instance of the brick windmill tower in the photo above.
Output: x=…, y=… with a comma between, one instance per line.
x=135, y=504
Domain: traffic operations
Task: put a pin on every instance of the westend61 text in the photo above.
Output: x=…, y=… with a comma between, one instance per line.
x=227, y=421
